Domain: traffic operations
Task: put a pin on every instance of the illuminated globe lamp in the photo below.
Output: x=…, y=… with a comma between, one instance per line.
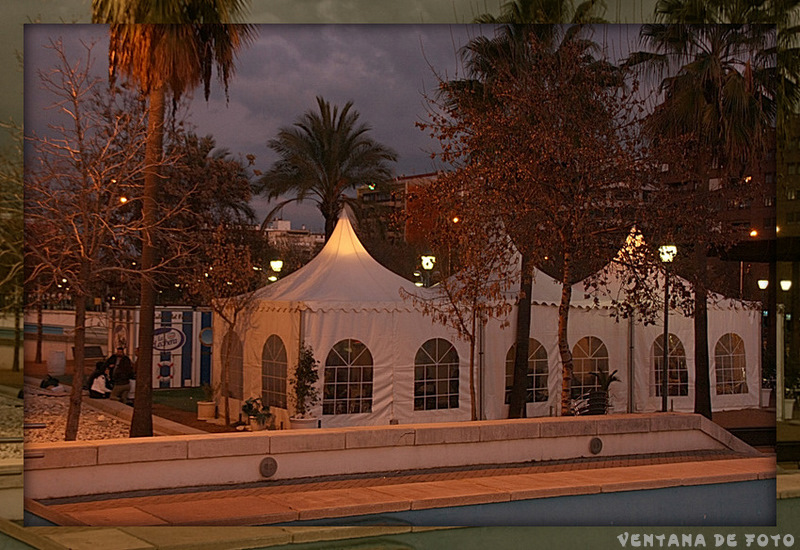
x=786, y=285
x=667, y=253
x=427, y=263
x=763, y=284
x=275, y=266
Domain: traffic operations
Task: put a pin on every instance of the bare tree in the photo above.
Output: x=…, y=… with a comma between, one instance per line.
x=226, y=277
x=85, y=175
x=478, y=264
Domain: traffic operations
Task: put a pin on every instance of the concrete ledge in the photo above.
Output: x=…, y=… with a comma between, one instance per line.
x=391, y=436
x=300, y=441
x=67, y=454
x=449, y=432
x=496, y=430
x=218, y=459
x=228, y=444
x=121, y=451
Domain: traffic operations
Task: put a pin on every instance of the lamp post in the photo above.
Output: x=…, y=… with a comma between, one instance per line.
x=667, y=253
x=427, y=263
x=275, y=266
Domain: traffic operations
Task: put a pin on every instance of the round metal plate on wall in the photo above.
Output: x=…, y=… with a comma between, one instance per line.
x=268, y=467
x=595, y=445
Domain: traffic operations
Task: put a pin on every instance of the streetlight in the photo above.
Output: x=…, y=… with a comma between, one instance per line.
x=276, y=265
x=427, y=263
x=763, y=284
x=667, y=253
x=786, y=284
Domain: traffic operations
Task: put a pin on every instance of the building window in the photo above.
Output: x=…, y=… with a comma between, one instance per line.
x=348, y=379
x=436, y=370
x=730, y=365
x=273, y=372
x=589, y=355
x=233, y=358
x=537, y=372
x=678, y=383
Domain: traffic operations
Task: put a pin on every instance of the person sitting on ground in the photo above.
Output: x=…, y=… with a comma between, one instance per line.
x=121, y=376
x=98, y=382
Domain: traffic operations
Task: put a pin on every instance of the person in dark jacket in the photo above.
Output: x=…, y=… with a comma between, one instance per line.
x=121, y=374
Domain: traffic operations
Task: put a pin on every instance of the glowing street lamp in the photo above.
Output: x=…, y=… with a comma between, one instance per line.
x=427, y=263
x=667, y=253
x=786, y=284
x=276, y=265
x=763, y=284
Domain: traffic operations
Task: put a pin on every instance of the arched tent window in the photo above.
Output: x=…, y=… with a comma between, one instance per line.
x=348, y=379
x=589, y=355
x=273, y=372
x=436, y=371
x=537, y=372
x=678, y=381
x=233, y=357
x=730, y=365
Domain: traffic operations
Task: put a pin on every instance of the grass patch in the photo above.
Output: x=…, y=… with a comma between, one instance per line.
x=184, y=399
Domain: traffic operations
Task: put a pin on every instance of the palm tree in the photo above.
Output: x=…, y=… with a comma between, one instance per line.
x=523, y=22
x=719, y=92
x=166, y=48
x=322, y=155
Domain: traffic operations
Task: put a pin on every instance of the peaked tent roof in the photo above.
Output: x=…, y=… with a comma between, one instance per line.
x=342, y=276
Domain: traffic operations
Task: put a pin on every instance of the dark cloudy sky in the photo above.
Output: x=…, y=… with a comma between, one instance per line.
x=385, y=70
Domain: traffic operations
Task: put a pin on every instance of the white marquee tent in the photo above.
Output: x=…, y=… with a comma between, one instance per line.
x=382, y=361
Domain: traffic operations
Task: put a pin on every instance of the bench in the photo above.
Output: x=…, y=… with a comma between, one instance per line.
x=91, y=353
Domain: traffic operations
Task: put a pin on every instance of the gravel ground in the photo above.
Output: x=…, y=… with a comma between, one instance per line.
x=10, y=426
x=52, y=411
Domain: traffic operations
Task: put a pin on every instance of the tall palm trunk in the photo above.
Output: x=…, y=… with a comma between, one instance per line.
x=702, y=384
x=142, y=421
x=563, y=342
x=519, y=387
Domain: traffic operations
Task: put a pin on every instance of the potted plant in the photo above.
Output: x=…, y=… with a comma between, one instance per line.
x=258, y=414
x=598, y=398
x=304, y=393
x=207, y=409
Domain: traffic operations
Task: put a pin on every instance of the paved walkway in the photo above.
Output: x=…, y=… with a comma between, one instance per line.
x=280, y=502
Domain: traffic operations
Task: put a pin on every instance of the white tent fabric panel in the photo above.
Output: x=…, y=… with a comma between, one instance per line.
x=323, y=330
x=342, y=276
x=412, y=331
x=645, y=398
x=600, y=324
x=746, y=324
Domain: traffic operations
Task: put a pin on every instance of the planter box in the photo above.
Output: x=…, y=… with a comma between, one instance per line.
x=304, y=423
x=206, y=410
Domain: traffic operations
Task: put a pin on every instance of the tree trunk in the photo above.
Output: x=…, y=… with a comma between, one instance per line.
x=563, y=342
x=39, y=330
x=473, y=404
x=227, y=351
x=519, y=387
x=74, y=411
x=142, y=421
x=17, y=331
x=702, y=384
